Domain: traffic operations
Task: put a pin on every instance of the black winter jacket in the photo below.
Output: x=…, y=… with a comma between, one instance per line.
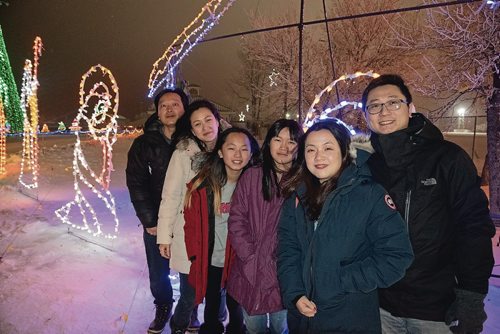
x=436, y=189
x=148, y=159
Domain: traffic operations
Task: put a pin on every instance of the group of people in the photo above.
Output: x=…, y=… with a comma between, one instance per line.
x=311, y=233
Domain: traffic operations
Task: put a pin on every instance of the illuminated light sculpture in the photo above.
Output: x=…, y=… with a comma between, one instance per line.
x=98, y=110
x=131, y=132
x=75, y=126
x=493, y=4
x=3, y=134
x=28, y=177
x=272, y=77
x=162, y=74
x=61, y=126
x=311, y=117
x=241, y=117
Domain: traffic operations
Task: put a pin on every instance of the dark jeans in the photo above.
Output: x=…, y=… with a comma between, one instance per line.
x=159, y=269
x=212, y=324
x=185, y=305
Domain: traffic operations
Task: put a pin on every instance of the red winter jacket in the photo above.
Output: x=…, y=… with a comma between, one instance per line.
x=199, y=225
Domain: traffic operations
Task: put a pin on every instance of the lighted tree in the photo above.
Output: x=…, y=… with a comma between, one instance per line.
x=249, y=86
x=464, y=60
x=2, y=139
x=8, y=92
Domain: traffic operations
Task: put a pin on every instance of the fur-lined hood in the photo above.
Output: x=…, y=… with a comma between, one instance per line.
x=198, y=160
x=360, y=142
x=191, y=149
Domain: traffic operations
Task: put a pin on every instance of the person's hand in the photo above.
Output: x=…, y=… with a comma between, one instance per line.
x=165, y=251
x=306, y=307
x=151, y=230
x=468, y=311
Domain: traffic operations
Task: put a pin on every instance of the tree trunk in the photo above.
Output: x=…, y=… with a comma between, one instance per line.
x=493, y=142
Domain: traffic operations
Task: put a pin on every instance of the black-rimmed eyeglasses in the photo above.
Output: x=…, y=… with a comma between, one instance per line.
x=391, y=105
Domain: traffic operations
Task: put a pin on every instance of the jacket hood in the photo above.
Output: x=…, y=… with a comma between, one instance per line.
x=153, y=123
x=358, y=169
x=419, y=125
x=362, y=143
x=198, y=160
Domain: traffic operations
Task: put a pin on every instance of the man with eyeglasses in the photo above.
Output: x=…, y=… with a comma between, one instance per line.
x=435, y=187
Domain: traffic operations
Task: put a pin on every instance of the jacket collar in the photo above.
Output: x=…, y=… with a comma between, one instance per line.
x=399, y=148
x=154, y=126
x=153, y=123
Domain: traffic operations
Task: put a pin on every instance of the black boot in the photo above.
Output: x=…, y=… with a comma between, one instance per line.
x=163, y=313
x=212, y=328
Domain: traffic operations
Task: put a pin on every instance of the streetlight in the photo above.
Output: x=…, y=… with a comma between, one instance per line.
x=461, y=114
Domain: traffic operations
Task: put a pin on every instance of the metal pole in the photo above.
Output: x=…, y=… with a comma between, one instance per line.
x=474, y=138
x=301, y=42
x=330, y=48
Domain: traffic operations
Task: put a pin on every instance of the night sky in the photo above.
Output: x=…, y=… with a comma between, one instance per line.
x=127, y=36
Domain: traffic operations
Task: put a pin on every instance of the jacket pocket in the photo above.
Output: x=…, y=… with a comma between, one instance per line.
x=327, y=291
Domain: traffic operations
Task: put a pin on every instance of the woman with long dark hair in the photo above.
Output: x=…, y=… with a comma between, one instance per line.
x=197, y=132
x=340, y=237
x=206, y=210
x=253, y=223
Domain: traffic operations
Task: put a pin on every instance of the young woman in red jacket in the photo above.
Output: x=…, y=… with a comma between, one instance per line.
x=206, y=211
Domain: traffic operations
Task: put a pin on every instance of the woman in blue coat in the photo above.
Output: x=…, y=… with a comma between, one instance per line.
x=340, y=237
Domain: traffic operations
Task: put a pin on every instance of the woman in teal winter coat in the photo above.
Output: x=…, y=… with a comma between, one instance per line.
x=340, y=237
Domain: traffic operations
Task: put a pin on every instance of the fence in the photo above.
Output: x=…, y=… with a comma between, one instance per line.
x=469, y=132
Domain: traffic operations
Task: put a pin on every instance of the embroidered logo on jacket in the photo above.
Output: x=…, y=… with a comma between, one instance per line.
x=429, y=182
x=389, y=202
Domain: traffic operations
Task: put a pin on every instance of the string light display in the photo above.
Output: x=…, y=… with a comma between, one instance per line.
x=29, y=100
x=131, y=132
x=311, y=116
x=241, y=117
x=272, y=78
x=8, y=91
x=162, y=74
x=493, y=4
x=61, y=126
x=98, y=111
x=75, y=126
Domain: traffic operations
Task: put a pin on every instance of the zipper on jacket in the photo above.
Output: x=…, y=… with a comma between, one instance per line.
x=407, y=207
x=316, y=224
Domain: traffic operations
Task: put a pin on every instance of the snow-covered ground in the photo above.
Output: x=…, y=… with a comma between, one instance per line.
x=52, y=281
